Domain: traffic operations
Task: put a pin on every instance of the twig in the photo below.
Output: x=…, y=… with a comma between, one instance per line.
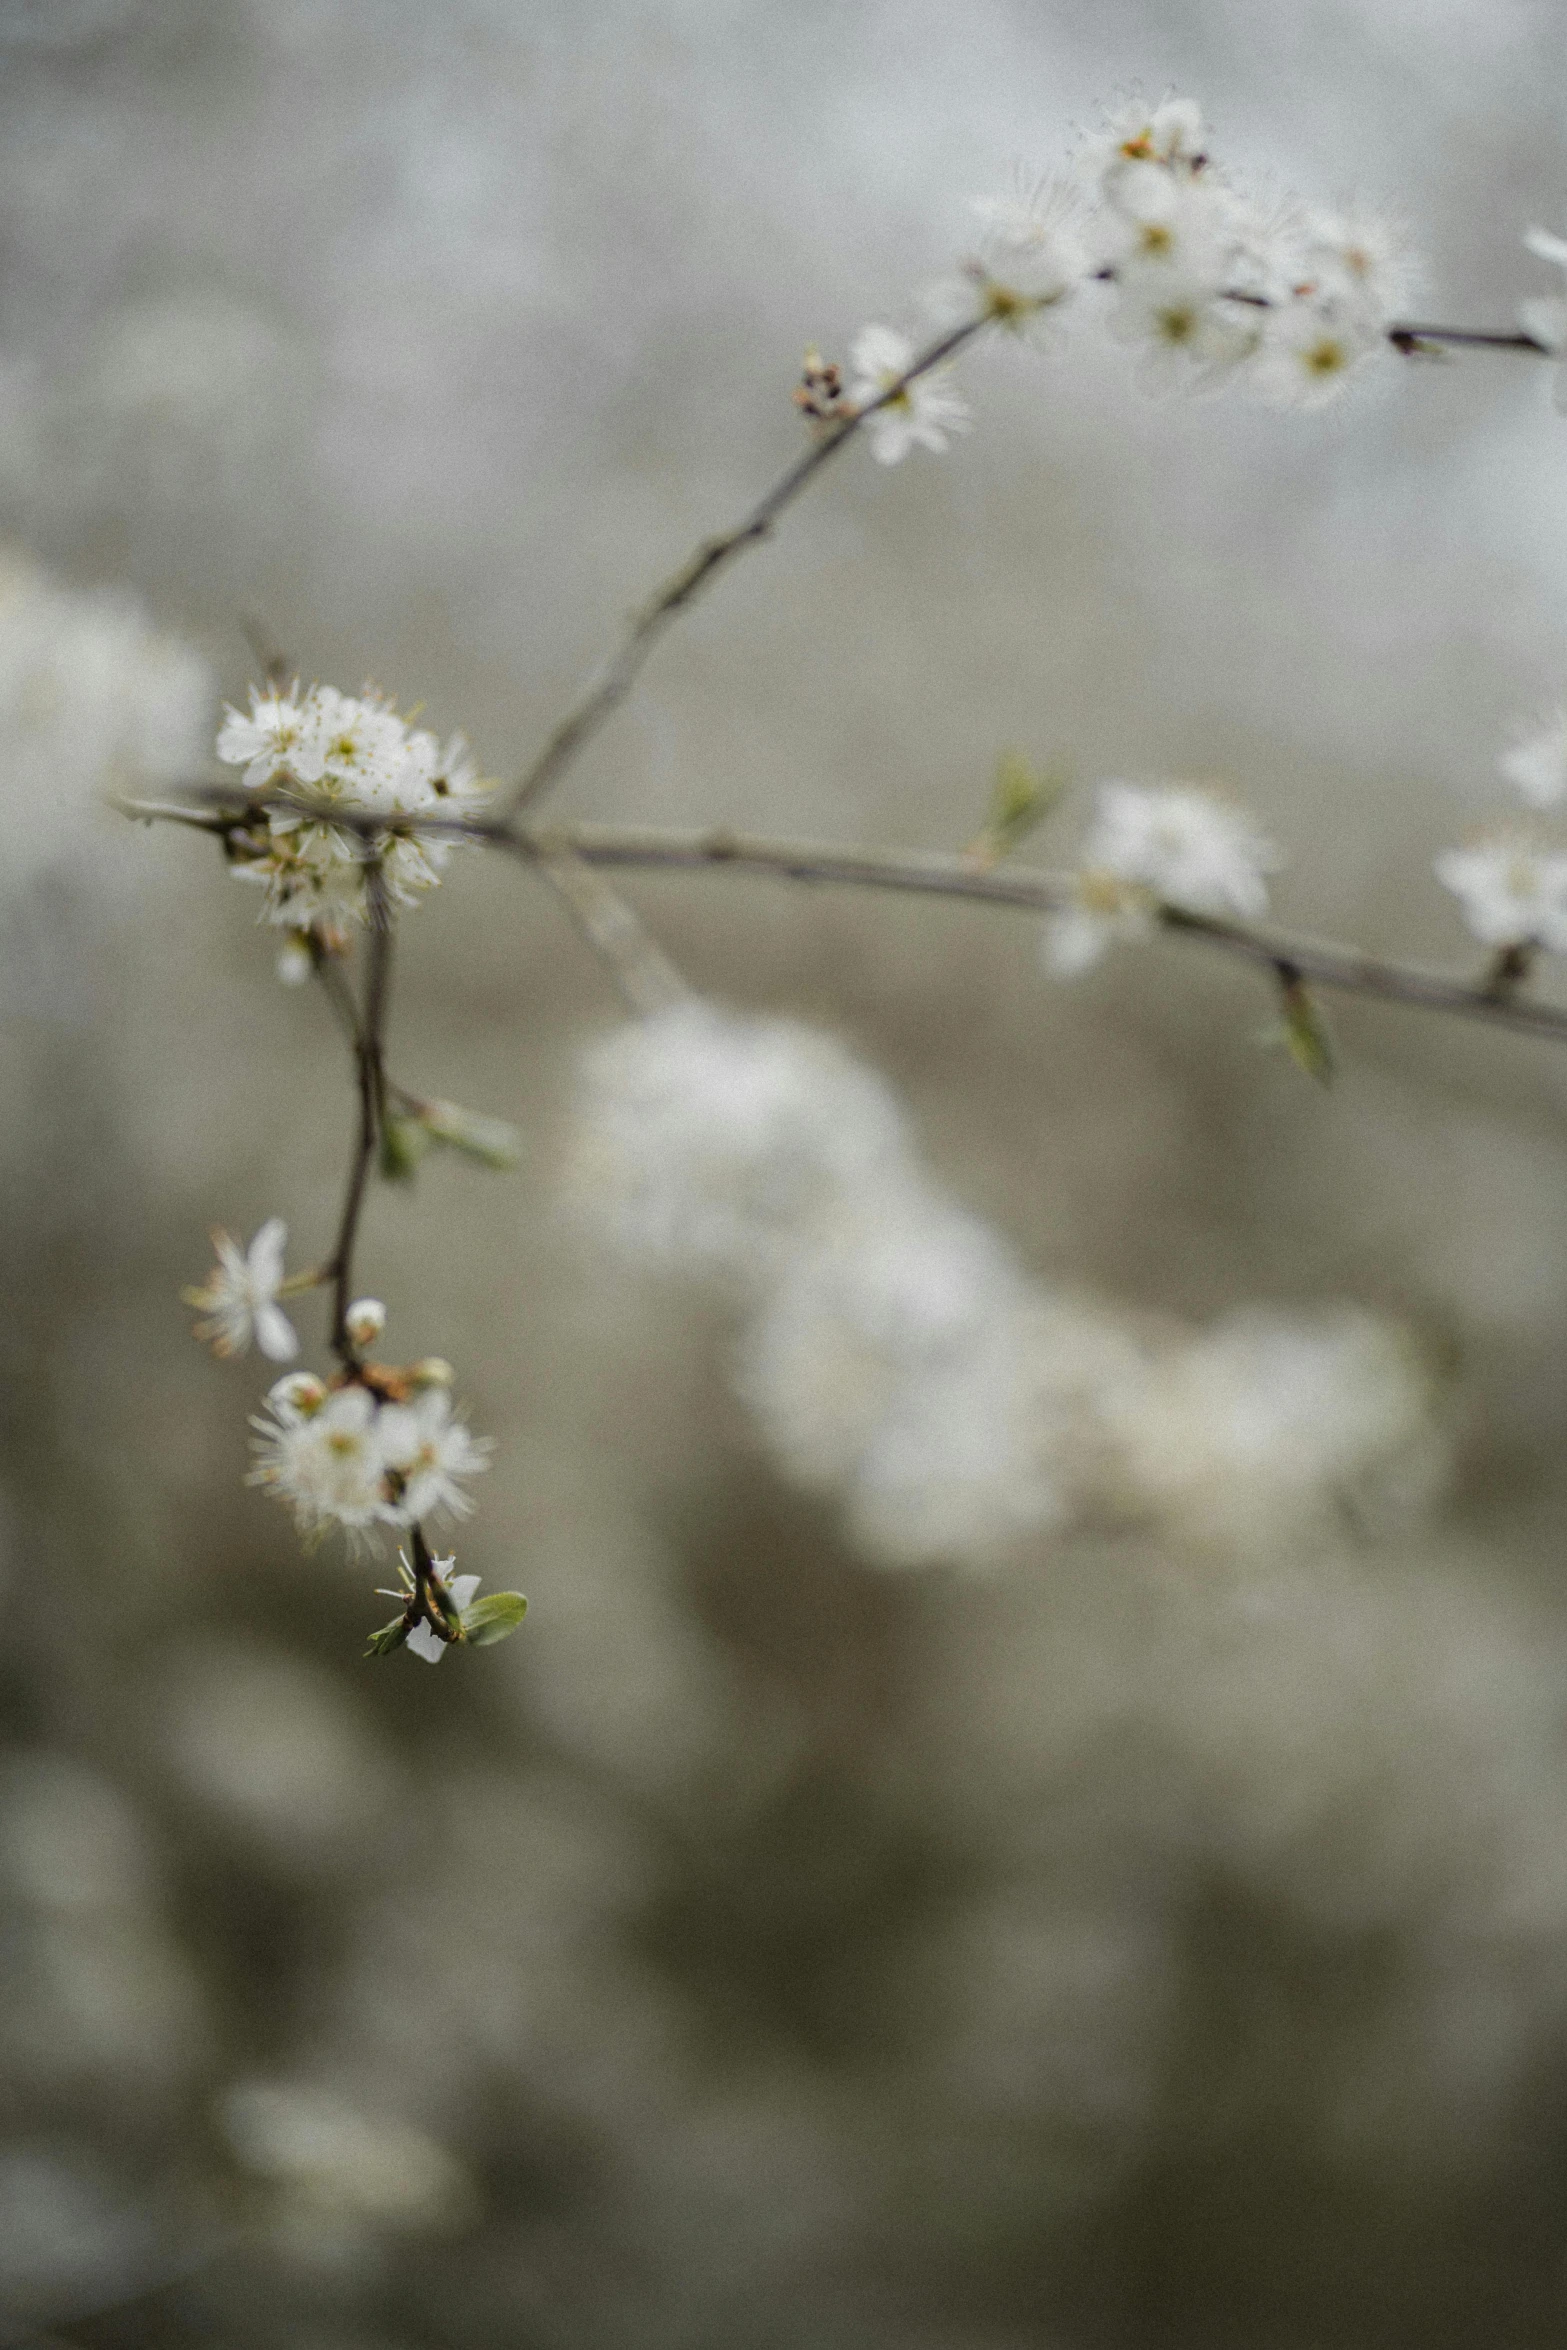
x=1409, y=339
x=1342, y=969
x=369, y=1042
x=685, y=585
x=1324, y=963
x=644, y=974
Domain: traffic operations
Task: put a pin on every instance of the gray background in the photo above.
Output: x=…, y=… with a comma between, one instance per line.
x=1135, y=1949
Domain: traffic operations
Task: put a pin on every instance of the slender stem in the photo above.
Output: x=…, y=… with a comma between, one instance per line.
x=371, y=1076
x=429, y=1602
x=699, y=570
x=643, y=973
x=1468, y=338
x=328, y=969
x=1323, y=963
x=335, y=987
x=1342, y=969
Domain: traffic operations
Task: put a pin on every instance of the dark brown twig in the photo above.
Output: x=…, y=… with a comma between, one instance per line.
x=370, y=1073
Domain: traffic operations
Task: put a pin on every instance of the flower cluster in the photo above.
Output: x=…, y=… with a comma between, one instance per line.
x=894, y=1353
x=336, y=752
x=1153, y=845
x=1205, y=281
x=1511, y=884
x=1209, y=281
x=377, y=1448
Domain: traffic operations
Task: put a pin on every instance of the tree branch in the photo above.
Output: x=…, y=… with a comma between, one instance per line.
x=713, y=556
x=923, y=873
x=1344, y=970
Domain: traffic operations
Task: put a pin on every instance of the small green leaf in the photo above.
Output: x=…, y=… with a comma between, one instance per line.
x=1022, y=797
x=389, y=1638
x=403, y=1144
x=491, y=1141
x=1304, y=1033
x=494, y=1618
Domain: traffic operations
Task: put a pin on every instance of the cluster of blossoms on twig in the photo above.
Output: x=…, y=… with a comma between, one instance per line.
x=377, y=1446
x=352, y=753
x=1207, y=282
x=892, y=1351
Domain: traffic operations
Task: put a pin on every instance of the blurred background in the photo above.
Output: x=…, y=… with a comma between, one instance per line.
x=1160, y=1941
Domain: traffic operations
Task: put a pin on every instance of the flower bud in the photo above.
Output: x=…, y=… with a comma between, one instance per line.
x=433, y=1371
x=298, y=1396
x=365, y=1320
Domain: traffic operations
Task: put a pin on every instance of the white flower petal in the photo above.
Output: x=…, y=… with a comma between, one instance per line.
x=275, y=1333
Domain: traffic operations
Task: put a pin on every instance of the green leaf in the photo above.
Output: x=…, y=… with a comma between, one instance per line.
x=1021, y=798
x=389, y=1638
x=494, y=1618
x=403, y=1144
x=490, y=1141
x=1304, y=1032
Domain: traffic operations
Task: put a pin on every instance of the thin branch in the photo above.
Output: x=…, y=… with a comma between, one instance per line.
x=371, y=1076
x=1341, y=969
x=1409, y=339
x=1344, y=969
x=328, y=969
x=644, y=974
x=713, y=556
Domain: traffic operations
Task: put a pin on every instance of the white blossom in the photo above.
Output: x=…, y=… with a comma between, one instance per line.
x=1179, y=225
x=1188, y=332
x=1138, y=141
x=295, y=963
x=1536, y=762
x=240, y=1296
x=1102, y=908
x=424, y=1453
x=922, y=414
x=898, y=1284
x=1183, y=845
x=1031, y=259
x=907, y=1367
x=1213, y=283
x=1311, y=345
x=422, y=1640
x=280, y=738
x=326, y=1463
x=346, y=1457
x=1510, y=891
x=1363, y=256
x=356, y=753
